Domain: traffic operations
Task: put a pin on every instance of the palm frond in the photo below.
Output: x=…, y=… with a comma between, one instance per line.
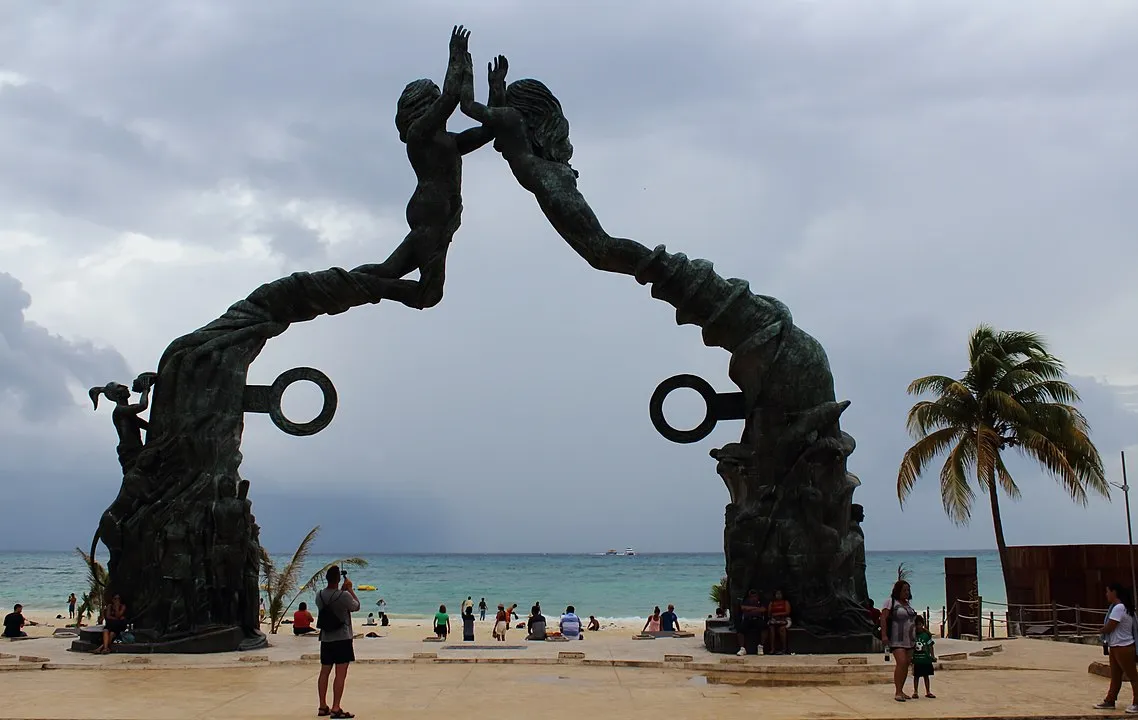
x=904, y=573
x=928, y=415
x=718, y=594
x=1006, y=480
x=318, y=577
x=955, y=489
x=920, y=454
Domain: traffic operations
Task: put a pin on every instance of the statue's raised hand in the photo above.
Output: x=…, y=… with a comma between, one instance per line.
x=496, y=70
x=459, y=41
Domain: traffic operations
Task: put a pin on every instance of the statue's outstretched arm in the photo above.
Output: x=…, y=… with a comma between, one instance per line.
x=436, y=116
x=474, y=138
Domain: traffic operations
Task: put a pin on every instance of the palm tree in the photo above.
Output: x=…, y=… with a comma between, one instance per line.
x=283, y=583
x=91, y=600
x=1012, y=397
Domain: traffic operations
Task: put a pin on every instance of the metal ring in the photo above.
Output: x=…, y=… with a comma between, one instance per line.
x=276, y=392
x=656, y=408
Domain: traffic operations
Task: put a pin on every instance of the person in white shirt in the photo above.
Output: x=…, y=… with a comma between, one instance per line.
x=570, y=624
x=1118, y=637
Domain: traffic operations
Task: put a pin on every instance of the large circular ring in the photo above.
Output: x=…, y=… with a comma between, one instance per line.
x=656, y=408
x=276, y=392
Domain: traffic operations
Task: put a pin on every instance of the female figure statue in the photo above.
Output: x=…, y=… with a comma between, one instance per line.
x=125, y=416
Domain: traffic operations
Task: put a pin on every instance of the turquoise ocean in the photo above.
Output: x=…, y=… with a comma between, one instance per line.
x=610, y=587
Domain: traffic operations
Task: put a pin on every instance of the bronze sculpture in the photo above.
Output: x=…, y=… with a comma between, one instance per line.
x=789, y=523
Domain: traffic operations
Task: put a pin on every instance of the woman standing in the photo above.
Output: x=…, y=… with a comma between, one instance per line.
x=442, y=623
x=501, y=623
x=1118, y=634
x=898, y=633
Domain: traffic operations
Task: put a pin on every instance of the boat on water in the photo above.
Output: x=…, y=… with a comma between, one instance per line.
x=628, y=552
x=617, y=553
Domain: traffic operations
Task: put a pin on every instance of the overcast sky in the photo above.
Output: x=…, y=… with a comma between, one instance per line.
x=896, y=172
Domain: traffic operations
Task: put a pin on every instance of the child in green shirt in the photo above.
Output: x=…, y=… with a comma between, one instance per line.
x=923, y=658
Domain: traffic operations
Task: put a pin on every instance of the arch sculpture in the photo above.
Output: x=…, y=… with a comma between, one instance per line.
x=183, y=542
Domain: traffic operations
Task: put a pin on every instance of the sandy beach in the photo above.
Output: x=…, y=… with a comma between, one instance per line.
x=607, y=675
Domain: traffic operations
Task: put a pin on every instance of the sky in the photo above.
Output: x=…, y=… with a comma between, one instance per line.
x=895, y=172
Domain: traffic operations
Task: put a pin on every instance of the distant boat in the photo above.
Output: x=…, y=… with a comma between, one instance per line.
x=612, y=552
x=628, y=552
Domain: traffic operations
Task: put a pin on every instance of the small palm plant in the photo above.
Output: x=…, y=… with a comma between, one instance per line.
x=718, y=594
x=284, y=583
x=91, y=600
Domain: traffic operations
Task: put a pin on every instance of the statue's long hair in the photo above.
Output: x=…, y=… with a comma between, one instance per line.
x=546, y=125
x=416, y=98
x=108, y=390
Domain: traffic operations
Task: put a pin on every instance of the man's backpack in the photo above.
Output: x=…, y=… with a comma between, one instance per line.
x=327, y=620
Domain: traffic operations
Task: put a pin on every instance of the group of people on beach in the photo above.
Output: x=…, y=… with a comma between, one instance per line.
x=570, y=625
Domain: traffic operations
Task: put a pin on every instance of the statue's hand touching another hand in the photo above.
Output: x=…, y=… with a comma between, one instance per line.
x=459, y=41
x=496, y=70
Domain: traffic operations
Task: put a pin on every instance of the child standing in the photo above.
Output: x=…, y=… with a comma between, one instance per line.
x=923, y=658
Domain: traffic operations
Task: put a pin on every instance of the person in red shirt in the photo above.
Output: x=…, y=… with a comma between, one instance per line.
x=779, y=622
x=302, y=621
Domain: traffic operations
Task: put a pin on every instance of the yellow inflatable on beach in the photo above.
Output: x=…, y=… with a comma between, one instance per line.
x=365, y=587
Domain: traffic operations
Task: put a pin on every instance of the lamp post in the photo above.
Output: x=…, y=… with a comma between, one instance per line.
x=1125, y=488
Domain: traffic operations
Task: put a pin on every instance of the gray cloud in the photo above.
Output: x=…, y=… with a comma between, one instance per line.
x=37, y=368
x=895, y=174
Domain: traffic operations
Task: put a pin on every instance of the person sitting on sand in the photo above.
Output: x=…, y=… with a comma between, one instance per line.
x=669, y=622
x=14, y=623
x=779, y=612
x=570, y=624
x=370, y=619
x=302, y=620
x=653, y=623
x=594, y=624
x=720, y=613
x=114, y=623
x=536, y=624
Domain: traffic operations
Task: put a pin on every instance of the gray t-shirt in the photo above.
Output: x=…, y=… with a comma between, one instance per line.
x=342, y=605
x=902, y=624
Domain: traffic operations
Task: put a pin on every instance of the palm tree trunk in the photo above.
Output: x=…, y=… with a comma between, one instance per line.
x=1001, y=544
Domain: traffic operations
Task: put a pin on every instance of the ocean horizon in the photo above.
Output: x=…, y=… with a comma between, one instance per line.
x=609, y=587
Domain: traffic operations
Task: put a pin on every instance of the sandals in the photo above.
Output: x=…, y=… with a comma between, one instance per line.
x=930, y=695
x=900, y=698
x=323, y=712
x=341, y=713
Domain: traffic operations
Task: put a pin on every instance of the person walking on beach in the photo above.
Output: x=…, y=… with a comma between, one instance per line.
x=468, y=625
x=501, y=623
x=923, y=658
x=335, y=605
x=71, y=600
x=898, y=633
x=1118, y=635
x=779, y=624
x=482, y=609
x=442, y=623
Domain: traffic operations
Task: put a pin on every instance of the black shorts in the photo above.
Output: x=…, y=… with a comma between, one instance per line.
x=922, y=670
x=337, y=652
x=115, y=626
x=441, y=630
x=750, y=626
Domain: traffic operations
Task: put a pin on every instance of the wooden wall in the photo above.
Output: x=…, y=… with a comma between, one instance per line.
x=1073, y=575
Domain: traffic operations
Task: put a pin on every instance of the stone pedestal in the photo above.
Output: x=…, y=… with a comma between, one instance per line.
x=208, y=640
x=720, y=637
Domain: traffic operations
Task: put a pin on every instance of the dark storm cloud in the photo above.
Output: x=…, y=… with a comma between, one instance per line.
x=37, y=367
x=895, y=173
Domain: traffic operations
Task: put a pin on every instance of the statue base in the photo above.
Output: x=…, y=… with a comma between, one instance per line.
x=217, y=639
x=720, y=637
